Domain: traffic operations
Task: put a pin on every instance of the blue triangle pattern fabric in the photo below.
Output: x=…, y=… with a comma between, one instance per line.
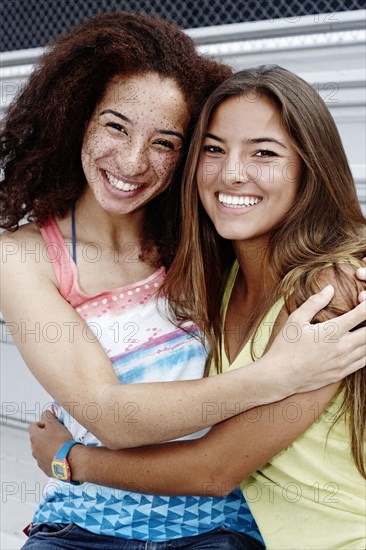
x=111, y=514
x=101, y=499
x=89, y=497
x=144, y=517
x=91, y=523
x=140, y=517
x=188, y=517
x=174, y=517
x=144, y=500
x=113, y=500
x=161, y=511
x=159, y=501
x=76, y=518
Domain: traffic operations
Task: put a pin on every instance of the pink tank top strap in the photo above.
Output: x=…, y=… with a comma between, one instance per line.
x=63, y=265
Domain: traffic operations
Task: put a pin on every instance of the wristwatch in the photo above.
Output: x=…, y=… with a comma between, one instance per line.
x=60, y=465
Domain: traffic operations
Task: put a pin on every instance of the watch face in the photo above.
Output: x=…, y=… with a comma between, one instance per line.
x=59, y=470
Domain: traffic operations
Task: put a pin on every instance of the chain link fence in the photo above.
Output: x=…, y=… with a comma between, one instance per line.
x=32, y=23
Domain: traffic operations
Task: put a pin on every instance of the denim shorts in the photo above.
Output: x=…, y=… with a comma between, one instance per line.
x=55, y=536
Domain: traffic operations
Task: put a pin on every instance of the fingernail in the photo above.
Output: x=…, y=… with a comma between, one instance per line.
x=361, y=271
x=362, y=296
x=327, y=288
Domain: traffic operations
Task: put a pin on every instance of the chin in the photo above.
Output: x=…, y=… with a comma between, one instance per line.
x=232, y=234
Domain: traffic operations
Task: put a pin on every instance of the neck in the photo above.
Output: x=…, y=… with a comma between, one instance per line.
x=250, y=294
x=252, y=256
x=94, y=224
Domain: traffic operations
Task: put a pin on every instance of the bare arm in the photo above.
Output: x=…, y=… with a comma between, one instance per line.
x=76, y=371
x=243, y=444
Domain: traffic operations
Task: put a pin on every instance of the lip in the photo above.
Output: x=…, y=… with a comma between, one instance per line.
x=119, y=193
x=236, y=208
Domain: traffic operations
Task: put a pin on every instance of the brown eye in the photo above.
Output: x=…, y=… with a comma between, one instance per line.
x=117, y=127
x=165, y=143
x=262, y=153
x=212, y=149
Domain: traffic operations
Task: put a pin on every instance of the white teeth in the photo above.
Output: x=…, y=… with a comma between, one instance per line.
x=234, y=201
x=121, y=185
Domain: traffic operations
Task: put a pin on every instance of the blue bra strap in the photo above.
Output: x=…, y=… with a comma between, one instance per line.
x=73, y=232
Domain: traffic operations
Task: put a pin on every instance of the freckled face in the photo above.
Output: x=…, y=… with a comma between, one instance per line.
x=248, y=173
x=133, y=141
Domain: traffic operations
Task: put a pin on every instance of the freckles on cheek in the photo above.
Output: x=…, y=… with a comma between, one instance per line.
x=95, y=145
x=95, y=138
x=167, y=167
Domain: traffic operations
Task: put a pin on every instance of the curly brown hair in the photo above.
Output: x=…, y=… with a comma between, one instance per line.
x=41, y=136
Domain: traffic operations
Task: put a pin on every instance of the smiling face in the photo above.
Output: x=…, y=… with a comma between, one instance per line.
x=133, y=141
x=248, y=170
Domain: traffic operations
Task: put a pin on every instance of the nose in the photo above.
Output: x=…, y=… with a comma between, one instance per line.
x=234, y=171
x=135, y=159
x=238, y=170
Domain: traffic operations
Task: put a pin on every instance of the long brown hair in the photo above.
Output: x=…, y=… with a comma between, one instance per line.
x=323, y=229
x=42, y=133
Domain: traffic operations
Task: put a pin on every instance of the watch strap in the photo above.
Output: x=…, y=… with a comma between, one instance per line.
x=60, y=460
x=65, y=449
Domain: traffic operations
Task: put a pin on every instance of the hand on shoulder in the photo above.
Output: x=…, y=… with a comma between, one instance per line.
x=348, y=288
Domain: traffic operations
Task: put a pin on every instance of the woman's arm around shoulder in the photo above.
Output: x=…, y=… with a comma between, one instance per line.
x=63, y=354
x=243, y=443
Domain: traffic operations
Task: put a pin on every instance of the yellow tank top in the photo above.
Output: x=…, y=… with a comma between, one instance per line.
x=309, y=496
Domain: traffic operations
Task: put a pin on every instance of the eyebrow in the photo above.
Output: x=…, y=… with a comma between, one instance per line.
x=270, y=140
x=254, y=140
x=115, y=113
x=171, y=133
x=126, y=119
x=212, y=136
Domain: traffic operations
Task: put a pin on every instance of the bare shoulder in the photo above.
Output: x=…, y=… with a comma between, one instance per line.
x=24, y=250
x=27, y=233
